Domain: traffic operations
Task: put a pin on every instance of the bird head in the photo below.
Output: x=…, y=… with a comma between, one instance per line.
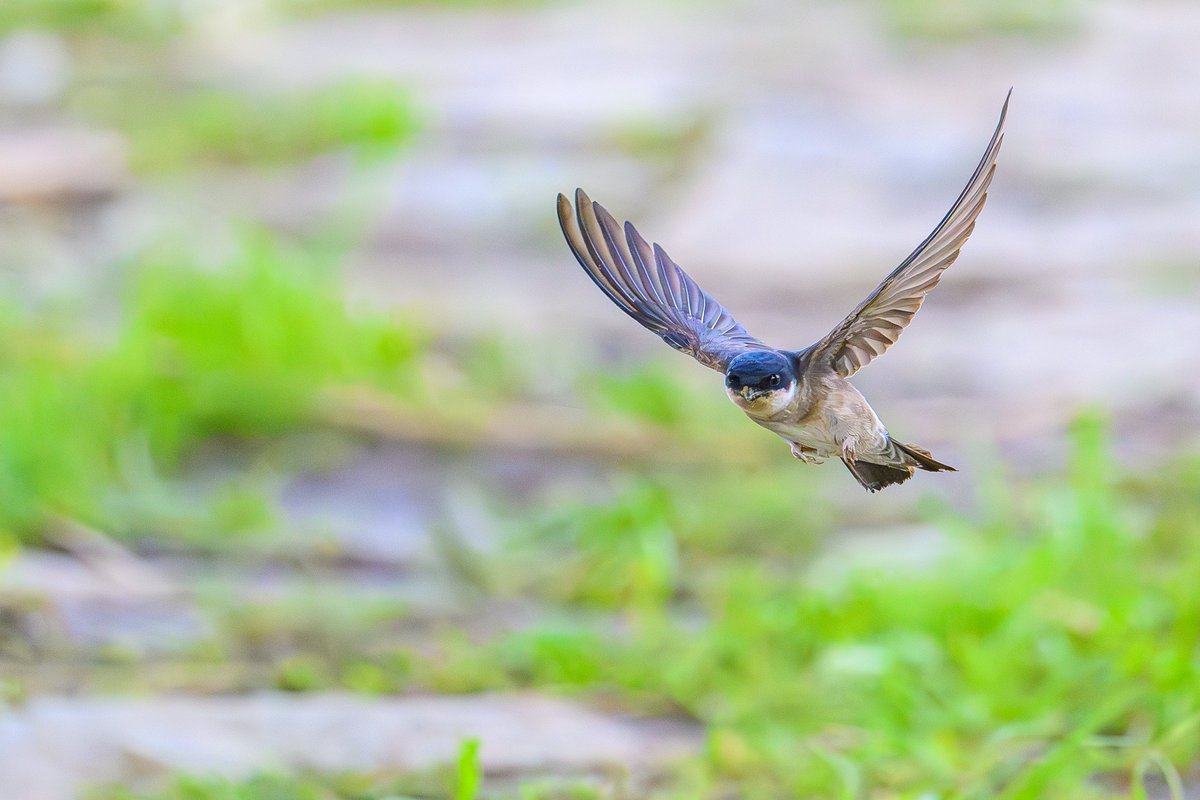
x=763, y=381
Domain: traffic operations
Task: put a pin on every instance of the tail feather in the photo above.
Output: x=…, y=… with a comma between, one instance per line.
x=874, y=477
x=910, y=458
x=921, y=459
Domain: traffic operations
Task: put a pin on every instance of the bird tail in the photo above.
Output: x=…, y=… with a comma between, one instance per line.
x=921, y=459
x=909, y=458
x=874, y=477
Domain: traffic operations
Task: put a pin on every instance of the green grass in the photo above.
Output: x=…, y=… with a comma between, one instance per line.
x=1051, y=650
x=958, y=20
x=89, y=426
x=317, y=7
x=468, y=774
x=435, y=785
x=97, y=429
x=276, y=787
x=116, y=17
x=653, y=536
x=144, y=18
x=171, y=128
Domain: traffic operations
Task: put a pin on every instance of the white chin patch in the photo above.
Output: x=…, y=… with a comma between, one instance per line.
x=763, y=404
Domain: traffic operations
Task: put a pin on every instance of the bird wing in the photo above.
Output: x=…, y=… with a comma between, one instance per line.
x=877, y=322
x=647, y=285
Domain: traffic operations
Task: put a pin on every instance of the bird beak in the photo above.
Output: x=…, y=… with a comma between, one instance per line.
x=749, y=393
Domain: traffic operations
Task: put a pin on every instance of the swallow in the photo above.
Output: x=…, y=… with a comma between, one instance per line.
x=804, y=396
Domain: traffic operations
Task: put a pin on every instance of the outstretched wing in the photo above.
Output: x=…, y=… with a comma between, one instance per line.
x=877, y=322
x=647, y=285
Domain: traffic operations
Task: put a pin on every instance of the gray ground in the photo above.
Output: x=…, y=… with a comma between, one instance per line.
x=797, y=152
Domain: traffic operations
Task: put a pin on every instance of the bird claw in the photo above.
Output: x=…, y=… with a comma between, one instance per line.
x=848, y=450
x=807, y=455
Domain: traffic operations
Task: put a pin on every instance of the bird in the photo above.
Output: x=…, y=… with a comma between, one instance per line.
x=804, y=396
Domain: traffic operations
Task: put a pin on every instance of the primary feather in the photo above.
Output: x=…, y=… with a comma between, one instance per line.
x=646, y=284
x=877, y=322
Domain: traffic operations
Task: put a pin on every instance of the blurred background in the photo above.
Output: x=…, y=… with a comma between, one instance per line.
x=325, y=473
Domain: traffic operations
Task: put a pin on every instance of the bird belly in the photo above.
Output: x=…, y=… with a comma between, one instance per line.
x=841, y=415
x=814, y=434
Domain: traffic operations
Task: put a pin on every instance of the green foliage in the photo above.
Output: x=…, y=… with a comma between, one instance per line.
x=314, y=7
x=657, y=395
x=300, y=674
x=953, y=20
x=315, y=638
x=88, y=429
x=354, y=787
x=649, y=394
x=262, y=787
x=1040, y=652
x=148, y=19
x=243, y=350
x=1049, y=651
x=108, y=16
x=632, y=548
x=172, y=127
x=561, y=790
x=468, y=774
x=612, y=553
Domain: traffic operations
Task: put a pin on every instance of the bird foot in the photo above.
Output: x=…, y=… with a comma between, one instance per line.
x=806, y=454
x=849, y=451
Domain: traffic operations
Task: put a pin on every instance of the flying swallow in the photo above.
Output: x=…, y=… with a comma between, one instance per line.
x=804, y=396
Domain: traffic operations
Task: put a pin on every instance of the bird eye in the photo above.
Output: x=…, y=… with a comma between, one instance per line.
x=773, y=380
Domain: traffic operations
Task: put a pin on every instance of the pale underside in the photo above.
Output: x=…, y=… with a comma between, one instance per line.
x=824, y=421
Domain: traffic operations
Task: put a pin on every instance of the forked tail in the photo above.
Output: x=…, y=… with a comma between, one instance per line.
x=909, y=458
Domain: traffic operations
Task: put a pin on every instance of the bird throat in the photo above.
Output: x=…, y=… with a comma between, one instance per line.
x=762, y=404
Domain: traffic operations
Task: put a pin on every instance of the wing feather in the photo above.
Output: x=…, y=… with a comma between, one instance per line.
x=877, y=322
x=643, y=281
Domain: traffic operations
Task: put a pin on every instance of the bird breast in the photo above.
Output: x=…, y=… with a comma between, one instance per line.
x=822, y=413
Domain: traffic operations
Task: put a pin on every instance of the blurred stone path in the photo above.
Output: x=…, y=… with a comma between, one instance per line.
x=55, y=747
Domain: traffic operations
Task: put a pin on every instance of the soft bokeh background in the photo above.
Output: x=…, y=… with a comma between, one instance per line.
x=325, y=473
